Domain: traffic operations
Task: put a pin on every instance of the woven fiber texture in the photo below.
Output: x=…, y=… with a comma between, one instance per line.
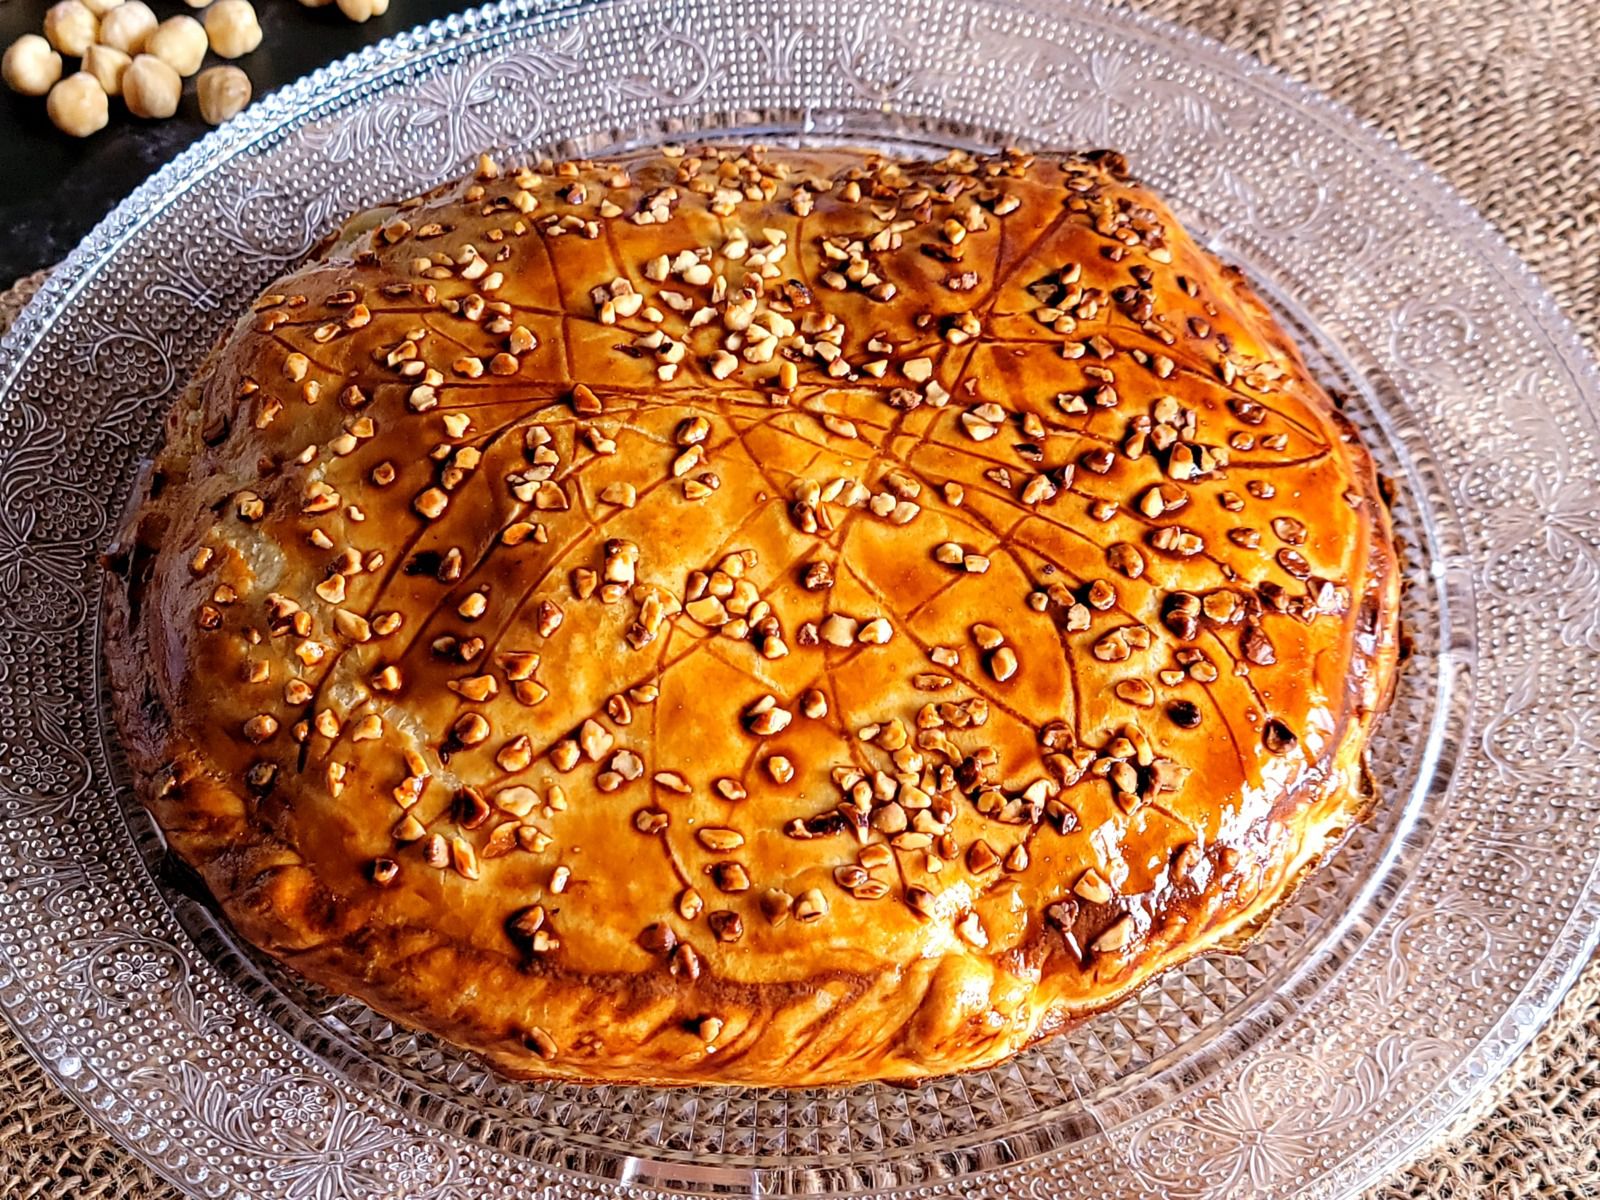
x=1504, y=102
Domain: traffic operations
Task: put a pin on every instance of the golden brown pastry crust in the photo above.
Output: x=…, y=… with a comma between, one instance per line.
x=773, y=618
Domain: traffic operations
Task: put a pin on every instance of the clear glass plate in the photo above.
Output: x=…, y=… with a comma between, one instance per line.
x=1399, y=981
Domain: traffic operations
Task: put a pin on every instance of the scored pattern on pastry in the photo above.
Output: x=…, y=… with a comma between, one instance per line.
x=730, y=615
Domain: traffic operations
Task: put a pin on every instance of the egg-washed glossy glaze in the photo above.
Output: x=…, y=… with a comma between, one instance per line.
x=777, y=618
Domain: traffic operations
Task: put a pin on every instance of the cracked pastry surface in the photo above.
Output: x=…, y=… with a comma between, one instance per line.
x=739, y=616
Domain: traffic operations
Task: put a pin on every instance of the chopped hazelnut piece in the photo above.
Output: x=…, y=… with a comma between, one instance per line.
x=720, y=841
x=1093, y=887
x=811, y=905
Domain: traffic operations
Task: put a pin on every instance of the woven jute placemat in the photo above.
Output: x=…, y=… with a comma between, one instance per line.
x=1504, y=102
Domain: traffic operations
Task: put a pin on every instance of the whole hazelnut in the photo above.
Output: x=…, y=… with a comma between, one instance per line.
x=232, y=27
x=78, y=105
x=361, y=10
x=180, y=42
x=70, y=27
x=127, y=26
x=106, y=65
x=150, y=88
x=223, y=93
x=30, y=65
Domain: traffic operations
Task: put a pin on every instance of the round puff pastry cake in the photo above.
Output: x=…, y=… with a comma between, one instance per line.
x=720, y=616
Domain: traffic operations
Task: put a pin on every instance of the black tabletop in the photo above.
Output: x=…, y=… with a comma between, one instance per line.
x=54, y=189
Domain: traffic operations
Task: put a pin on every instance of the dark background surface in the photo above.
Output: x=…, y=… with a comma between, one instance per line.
x=54, y=188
